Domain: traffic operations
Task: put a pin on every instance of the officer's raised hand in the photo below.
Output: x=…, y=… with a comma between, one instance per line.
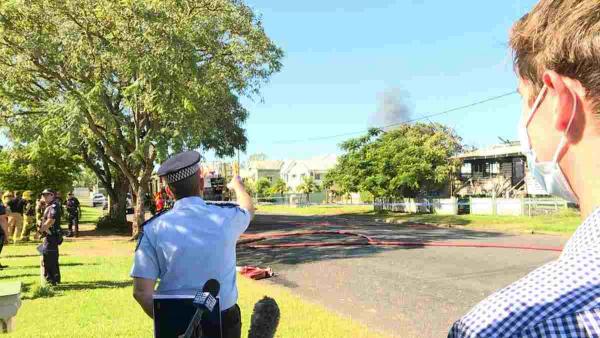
x=243, y=198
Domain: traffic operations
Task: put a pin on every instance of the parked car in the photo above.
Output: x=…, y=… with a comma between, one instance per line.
x=129, y=205
x=98, y=199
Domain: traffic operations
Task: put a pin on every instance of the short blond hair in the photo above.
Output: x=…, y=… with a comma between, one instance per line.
x=563, y=36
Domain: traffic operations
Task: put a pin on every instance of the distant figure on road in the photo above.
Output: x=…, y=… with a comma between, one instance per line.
x=557, y=60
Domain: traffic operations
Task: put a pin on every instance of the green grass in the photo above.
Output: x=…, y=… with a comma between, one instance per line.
x=562, y=223
x=95, y=299
x=90, y=215
x=313, y=210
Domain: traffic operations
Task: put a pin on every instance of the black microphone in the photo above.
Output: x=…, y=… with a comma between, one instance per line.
x=204, y=301
x=265, y=319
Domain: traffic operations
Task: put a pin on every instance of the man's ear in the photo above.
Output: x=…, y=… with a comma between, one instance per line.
x=565, y=96
x=201, y=183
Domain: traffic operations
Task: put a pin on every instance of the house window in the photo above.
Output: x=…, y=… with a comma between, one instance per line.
x=492, y=168
x=466, y=170
x=294, y=176
x=317, y=177
x=270, y=179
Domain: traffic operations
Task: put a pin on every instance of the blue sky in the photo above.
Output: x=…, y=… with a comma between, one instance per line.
x=340, y=55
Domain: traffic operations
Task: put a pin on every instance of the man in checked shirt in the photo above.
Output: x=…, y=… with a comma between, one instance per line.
x=557, y=60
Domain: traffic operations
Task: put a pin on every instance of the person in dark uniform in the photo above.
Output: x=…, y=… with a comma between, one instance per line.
x=195, y=241
x=3, y=228
x=50, y=229
x=74, y=210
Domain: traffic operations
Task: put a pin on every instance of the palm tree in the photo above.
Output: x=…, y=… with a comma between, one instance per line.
x=279, y=187
x=307, y=187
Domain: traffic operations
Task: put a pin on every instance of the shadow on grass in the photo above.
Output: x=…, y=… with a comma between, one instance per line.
x=92, y=285
x=61, y=265
x=20, y=276
x=21, y=256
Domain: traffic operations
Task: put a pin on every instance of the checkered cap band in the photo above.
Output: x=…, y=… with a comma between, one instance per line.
x=181, y=174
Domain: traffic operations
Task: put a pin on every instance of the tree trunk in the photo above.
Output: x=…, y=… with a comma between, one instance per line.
x=117, y=209
x=140, y=212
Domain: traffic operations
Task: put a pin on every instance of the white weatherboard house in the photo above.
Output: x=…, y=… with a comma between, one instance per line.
x=294, y=171
x=269, y=169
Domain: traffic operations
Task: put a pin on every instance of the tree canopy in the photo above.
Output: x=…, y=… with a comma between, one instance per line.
x=130, y=82
x=36, y=167
x=405, y=162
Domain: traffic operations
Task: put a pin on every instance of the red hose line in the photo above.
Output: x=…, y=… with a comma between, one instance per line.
x=248, y=239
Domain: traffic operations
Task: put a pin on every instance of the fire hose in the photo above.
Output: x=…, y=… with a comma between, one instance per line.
x=250, y=241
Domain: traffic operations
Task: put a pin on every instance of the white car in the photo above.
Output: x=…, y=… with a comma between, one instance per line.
x=98, y=199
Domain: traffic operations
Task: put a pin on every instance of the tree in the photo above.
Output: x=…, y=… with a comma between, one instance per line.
x=405, y=162
x=308, y=186
x=262, y=187
x=37, y=166
x=133, y=81
x=279, y=187
x=86, y=179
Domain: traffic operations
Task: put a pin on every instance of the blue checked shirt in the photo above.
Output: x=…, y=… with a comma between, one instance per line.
x=559, y=299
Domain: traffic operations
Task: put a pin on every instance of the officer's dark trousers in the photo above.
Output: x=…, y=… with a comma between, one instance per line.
x=2, y=238
x=74, y=223
x=231, y=322
x=50, y=260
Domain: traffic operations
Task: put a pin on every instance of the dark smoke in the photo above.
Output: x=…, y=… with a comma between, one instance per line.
x=393, y=109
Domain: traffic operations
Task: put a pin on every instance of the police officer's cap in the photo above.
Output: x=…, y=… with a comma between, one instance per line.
x=180, y=166
x=48, y=191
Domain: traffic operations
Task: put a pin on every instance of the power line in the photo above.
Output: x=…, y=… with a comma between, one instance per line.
x=424, y=117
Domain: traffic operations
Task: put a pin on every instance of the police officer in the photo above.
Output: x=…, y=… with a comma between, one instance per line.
x=50, y=229
x=192, y=243
x=29, y=223
x=74, y=210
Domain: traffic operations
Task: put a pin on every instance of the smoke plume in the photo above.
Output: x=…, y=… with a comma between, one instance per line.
x=393, y=108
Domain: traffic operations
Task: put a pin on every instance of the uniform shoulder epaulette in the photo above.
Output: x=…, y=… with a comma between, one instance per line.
x=158, y=214
x=223, y=205
x=141, y=230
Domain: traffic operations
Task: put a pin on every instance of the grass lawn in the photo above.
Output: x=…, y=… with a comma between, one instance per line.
x=313, y=210
x=95, y=299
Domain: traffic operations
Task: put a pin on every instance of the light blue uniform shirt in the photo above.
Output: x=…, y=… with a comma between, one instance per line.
x=190, y=244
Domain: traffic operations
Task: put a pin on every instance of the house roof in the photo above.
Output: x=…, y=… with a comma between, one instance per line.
x=266, y=165
x=318, y=163
x=496, y=151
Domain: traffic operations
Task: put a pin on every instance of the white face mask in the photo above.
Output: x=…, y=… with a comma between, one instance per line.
x=548, y=174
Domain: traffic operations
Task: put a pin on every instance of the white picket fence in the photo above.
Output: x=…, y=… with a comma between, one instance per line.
x=475, y=206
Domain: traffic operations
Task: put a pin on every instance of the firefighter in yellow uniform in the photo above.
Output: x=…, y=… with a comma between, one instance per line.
x=29, y=222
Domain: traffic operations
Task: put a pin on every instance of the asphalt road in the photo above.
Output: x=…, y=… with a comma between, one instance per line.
x=404, y=292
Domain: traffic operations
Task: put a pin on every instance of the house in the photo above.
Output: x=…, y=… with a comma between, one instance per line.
x=269, y=169
x=498, y=170
x=294, y=171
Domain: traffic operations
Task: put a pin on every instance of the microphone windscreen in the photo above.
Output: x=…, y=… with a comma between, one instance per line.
x=265, y=319
x=212, y=286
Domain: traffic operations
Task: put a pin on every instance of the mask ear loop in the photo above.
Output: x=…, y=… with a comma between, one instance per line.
x=563, y=140
x=536, y=104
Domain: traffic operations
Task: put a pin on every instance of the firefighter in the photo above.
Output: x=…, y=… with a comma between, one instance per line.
x=29, y=221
